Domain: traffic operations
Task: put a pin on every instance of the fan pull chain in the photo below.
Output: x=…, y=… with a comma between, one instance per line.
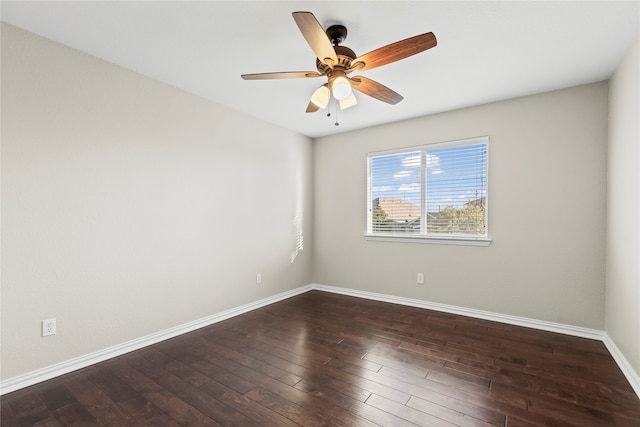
x=335, y=104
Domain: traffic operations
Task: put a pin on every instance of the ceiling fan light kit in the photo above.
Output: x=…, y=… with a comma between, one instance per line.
x=336, y=62
x=340, y=88
x=349, y=101
x=321, y=97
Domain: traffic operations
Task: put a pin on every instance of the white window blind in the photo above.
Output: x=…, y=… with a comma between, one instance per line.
x=432, y=191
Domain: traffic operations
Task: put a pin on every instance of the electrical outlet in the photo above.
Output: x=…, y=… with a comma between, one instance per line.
x=48, y=327
x=420, y=279
x=258, y=278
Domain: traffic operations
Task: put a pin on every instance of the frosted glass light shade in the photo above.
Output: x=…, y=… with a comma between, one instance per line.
x=340, y=88
x=349, y=101
x=321, y=97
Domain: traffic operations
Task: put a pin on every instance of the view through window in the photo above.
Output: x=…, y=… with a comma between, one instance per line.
x=436, y=190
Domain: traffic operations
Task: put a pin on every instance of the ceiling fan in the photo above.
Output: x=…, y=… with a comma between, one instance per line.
x=336, y=62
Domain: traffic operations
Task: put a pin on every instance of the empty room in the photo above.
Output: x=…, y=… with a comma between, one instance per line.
x=305, y=213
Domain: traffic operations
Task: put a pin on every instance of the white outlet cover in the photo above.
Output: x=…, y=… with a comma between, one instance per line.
x=48, y=327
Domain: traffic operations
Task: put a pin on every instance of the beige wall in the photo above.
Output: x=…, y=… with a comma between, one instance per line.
x=129, y=206
x=623, y=210
x=547, y=183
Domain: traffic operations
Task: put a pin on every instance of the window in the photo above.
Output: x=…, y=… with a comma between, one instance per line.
x=435, y=193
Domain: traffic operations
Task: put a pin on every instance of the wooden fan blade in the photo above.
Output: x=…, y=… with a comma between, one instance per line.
x=283, y=75
x=376, y=90
x=316, y=37
x=312, y=108
x=395, y=51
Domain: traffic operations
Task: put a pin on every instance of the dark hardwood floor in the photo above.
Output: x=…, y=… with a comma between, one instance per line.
x=321, y=359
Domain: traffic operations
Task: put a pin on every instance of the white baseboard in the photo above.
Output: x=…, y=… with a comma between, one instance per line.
x=623, y=364
x=479, y=314
x=39, y=375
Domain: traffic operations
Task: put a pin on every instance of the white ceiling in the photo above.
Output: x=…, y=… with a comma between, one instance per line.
x=487, y=51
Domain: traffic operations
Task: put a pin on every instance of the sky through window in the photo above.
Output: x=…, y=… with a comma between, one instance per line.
x=454, y=176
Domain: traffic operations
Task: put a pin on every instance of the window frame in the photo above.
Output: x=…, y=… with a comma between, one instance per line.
x=423, y=237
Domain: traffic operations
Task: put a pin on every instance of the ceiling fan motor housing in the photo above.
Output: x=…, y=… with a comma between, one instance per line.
x=345, y=56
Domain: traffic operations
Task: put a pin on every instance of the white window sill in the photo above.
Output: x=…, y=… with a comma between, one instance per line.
x=429, y=239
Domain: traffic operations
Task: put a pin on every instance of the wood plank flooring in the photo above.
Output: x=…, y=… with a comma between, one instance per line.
x=320, y=359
